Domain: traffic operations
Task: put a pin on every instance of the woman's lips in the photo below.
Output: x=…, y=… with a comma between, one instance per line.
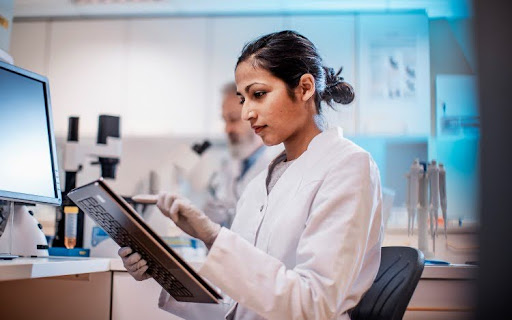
x=257, y=129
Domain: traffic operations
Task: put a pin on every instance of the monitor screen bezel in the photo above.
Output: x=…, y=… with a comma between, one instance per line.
x=32, y=198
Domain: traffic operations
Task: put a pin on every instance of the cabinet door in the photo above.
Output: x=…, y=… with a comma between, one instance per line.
x=442, y=299
x=334, y=37
x=228, y=36
x=78, y=297
x=165, y=83
x=394, y=74
x=86, y=61
x=149, y=71
x=134, y=300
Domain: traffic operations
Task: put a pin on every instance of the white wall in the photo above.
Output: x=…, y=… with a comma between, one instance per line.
x=163, y=75
x=335, y=38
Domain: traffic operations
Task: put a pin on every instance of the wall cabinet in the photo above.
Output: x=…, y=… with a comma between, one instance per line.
x=163, y=75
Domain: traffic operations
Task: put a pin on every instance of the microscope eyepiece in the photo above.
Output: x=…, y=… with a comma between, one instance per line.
x=108, y=167
x=108, y=126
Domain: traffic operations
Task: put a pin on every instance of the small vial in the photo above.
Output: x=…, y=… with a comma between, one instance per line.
x=70, y=226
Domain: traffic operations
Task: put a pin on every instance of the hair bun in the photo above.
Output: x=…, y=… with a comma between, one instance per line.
x=336, y=89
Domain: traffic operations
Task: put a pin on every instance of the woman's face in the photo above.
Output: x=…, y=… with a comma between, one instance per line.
x=266, y=104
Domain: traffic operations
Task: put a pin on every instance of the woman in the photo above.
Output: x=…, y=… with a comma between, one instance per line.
x=305, y=243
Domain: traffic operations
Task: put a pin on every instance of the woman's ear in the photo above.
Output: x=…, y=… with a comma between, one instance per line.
x=306, y=87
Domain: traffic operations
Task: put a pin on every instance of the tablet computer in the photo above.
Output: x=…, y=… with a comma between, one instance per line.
x=124, y=225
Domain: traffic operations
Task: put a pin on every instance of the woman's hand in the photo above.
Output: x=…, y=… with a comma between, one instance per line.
x=188, y=218
x=134, y=264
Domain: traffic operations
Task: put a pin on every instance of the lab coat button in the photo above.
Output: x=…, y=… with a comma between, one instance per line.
x=261, y=208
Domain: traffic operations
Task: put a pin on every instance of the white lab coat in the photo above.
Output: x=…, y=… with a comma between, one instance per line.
x=308, y=250
x=226, y=187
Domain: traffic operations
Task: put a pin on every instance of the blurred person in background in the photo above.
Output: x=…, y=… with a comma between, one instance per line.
x=248, y=156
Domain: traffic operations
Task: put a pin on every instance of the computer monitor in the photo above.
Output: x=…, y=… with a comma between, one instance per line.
x=29, y=171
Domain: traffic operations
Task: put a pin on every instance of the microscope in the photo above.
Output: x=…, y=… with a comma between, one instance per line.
x=20, y=233
x=106, y=153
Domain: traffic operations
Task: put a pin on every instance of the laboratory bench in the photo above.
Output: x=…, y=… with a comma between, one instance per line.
x=100, y=288
x=31, y=268
x=55, y=288
x=444, y=292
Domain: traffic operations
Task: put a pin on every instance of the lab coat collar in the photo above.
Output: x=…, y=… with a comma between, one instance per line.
x=318, y=141
x=319, y=147
x=325, y=137
x=316, y=150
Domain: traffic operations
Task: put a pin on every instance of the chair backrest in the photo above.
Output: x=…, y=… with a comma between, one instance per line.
x=399, y=272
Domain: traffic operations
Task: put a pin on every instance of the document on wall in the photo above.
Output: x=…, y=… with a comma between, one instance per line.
x=394, y=74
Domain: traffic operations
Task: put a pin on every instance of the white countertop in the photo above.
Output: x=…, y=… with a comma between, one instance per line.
x=29, y=268
x=448, y=272
x=117, y=264
x=432, y=272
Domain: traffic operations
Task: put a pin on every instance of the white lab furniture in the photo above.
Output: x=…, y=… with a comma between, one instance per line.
x=163, y=75
x=136, y=300
x=133, y=299
x=443, y=292
x=32, y=268
x=55, y=288
x=100, y=288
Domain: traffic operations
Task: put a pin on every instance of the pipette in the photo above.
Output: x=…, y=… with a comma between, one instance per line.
x=145, y=198
x=442, y=195
x=433, y=177
x=412, y=194
x=423, y=212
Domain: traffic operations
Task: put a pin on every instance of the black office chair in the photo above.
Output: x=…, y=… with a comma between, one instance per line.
x=399, y=272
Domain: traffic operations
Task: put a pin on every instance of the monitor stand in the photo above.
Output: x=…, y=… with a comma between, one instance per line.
x=9, y=219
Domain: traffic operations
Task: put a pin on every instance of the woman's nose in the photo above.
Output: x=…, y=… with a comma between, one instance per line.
x=247, y=112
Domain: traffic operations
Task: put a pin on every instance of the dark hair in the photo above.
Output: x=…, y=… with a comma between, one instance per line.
x=288, y=55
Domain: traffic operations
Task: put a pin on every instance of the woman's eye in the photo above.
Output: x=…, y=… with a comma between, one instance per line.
x=242, y=100
x=259, y=94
